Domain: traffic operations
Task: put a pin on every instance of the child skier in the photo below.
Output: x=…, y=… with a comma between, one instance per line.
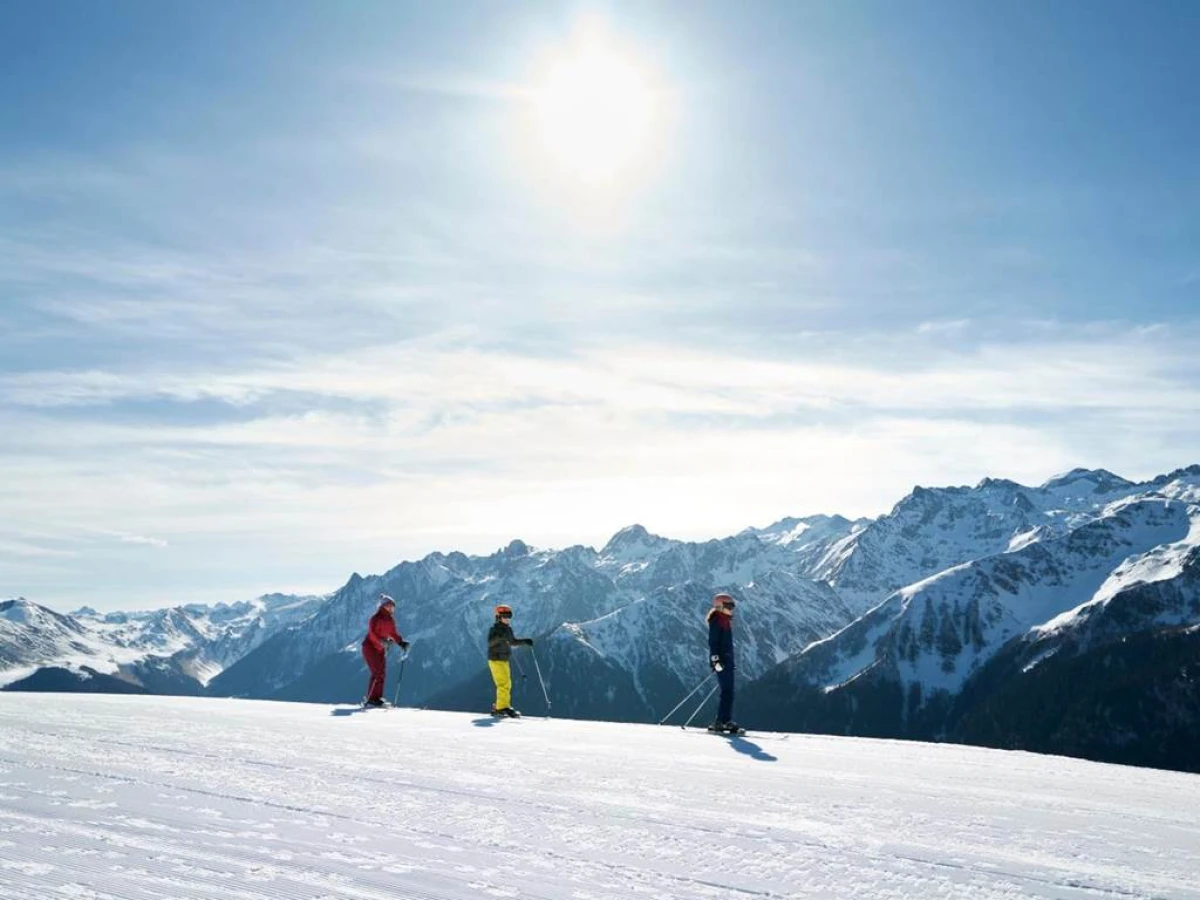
x=380, y=631
x=720, y=660
x=500, y=644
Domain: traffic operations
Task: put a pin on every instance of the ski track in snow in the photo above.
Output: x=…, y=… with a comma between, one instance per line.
x=163, y=797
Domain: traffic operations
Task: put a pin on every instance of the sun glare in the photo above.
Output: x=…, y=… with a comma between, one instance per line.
x=593, y=115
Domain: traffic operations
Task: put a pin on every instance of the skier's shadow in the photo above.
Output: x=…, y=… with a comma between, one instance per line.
x=346, y=710
x=484, y=722
x=751, y=749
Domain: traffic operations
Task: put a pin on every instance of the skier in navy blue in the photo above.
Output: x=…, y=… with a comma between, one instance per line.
x=720, y=660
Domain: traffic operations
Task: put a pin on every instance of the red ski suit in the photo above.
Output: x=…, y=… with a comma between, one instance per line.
x=382, y=627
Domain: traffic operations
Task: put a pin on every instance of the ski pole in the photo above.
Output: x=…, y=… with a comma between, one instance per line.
x=700, y=707
x=400, y=678
x=540, y=679
x=688, y=697
x=520, y=671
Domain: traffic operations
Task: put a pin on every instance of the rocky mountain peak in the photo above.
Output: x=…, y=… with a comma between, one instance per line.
x=516, y=549
x=1187, y=472
x=24, y=612
x=14, y=610
x=1100, y=481
x=631, y=537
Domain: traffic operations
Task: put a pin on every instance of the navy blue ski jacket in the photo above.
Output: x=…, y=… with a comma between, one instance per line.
x=720, y=636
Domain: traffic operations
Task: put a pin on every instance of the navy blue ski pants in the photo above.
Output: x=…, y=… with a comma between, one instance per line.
x=725, y=706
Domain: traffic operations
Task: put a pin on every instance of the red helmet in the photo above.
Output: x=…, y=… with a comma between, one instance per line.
x=503, y=610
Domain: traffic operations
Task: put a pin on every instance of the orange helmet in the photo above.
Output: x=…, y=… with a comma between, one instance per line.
x=503, y=610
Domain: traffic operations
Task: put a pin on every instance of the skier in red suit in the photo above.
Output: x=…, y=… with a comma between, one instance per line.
x=380, y=630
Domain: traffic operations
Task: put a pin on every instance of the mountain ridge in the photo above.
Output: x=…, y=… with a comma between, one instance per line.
x=906, y=614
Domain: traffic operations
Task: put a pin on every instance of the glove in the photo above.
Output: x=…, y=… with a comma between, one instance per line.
x=714, y=663
x=528, y=642
x=404, y=646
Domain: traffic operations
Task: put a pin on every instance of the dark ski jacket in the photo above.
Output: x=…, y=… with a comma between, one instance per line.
x=381, y=627
x=501, y=641
x=720, y=636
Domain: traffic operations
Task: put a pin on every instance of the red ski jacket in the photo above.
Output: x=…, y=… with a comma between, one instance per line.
x=381, y=627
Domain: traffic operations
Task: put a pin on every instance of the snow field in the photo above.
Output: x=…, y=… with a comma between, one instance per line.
x=166, y=797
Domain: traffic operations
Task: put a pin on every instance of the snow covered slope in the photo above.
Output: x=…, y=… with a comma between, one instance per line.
x=950, y=655
x=938, y=632
x=31, y=634
x=177, y=649
x=934, y=529
x=196, y=799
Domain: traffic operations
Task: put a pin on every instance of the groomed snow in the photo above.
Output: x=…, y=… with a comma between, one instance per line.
x=166, y=797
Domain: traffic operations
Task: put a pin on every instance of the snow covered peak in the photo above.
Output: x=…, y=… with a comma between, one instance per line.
x=632, y=540
x=196, y=641
x=938, y=632
x=14, y=610
x=1182, y=484
x=793, y=532
x=922, y=505
x=22, y=612
x=1079, y=482
x=998, y=484
x=1188, y=472
x=171, y=627
x=930, y=530
x=30, y=633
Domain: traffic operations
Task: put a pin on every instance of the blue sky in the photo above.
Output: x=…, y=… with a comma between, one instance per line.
x=289, y=290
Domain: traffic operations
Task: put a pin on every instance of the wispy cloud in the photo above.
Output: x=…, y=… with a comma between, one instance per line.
x=944, y=326
x=1124, y=368
x=445, y=84
x=140, y=539
x=476, y=445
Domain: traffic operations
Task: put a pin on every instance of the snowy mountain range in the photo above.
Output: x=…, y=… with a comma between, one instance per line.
x=964, y=613
x=176, y=650
x=994, y=649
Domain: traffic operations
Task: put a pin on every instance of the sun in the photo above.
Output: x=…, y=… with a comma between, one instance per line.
x=593, y=114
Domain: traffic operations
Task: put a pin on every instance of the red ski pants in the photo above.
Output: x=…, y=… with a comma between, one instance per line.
x=377, y=663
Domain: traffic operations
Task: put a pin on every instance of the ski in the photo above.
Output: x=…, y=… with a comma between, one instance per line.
x=739, y=732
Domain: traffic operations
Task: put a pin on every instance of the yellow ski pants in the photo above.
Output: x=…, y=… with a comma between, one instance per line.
x=502, y=676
